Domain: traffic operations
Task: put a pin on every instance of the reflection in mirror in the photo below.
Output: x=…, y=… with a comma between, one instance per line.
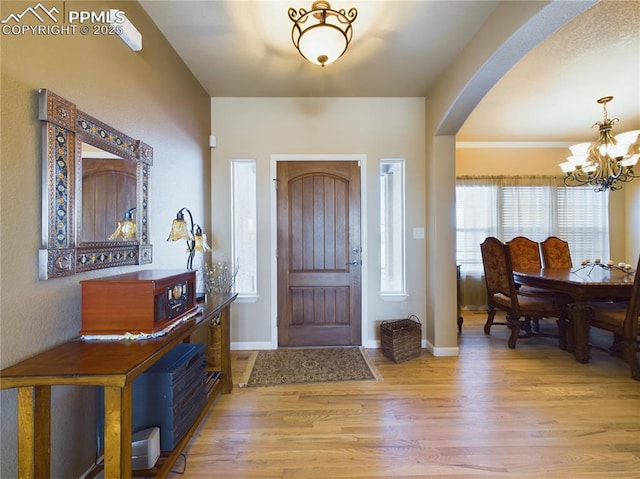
x=108, y=192
x=95, y=192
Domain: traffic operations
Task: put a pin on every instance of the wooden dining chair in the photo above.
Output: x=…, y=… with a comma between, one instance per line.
x=525, y=256
x=525, y=253
x=520, y=306
x=621, y=318
x=555, y=253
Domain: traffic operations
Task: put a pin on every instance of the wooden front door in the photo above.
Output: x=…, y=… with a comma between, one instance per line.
x=319, y=262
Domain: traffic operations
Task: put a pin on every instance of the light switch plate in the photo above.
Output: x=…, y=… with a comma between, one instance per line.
x=418, y=233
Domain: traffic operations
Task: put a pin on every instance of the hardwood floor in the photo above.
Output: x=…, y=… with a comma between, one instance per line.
x=532, y=412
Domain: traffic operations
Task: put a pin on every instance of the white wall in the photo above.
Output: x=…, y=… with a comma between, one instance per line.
x=376, y=127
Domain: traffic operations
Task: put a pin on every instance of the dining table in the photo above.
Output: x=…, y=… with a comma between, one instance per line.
x=580, y=285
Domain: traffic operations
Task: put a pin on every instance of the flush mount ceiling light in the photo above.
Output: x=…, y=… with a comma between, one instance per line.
x=321, y=34
x=606, y=162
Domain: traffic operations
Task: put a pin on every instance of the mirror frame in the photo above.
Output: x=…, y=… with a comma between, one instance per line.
x=64, y=129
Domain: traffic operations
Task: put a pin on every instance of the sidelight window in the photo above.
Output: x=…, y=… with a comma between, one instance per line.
x=392, y=240
x=243, y=220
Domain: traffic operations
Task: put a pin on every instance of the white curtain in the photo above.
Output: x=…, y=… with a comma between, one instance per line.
x=533, y=206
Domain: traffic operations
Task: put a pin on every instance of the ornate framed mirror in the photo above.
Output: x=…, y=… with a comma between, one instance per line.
x=95, y=185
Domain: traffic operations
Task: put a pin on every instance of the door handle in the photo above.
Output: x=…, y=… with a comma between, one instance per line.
x=355, y=262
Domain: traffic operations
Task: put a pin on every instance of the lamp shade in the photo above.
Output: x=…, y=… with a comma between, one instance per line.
x=126, y=229
x=322, y=44
x=201, y=243
x=567, y=167
x=580, y=148
x=629, y=137
x=179, y=230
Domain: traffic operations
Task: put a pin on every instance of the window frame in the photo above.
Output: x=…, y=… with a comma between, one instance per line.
x=251, y=294
x=392, y=212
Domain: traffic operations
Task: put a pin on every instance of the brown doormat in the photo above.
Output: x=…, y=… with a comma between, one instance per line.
x=315, y=365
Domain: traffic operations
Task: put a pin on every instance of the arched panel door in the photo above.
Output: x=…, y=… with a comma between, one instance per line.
x=319, y=265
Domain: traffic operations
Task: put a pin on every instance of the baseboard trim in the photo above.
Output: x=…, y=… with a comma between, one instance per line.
x=442, y=352
x=371, y=344
x=253, y=346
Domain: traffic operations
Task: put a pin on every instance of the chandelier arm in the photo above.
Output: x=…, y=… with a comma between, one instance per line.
x=616, y=168
x=627, y=174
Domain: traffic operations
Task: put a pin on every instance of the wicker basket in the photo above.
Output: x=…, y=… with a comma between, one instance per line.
x=401, y=338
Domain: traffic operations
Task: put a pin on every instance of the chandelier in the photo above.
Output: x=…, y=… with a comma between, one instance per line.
x=606, y=162
x=321, y=34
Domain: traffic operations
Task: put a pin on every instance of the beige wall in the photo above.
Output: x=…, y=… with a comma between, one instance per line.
x=149, y=95
x=513, y=161
x=379, y=128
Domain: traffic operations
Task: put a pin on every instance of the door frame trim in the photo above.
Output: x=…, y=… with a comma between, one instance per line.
x=362, y=159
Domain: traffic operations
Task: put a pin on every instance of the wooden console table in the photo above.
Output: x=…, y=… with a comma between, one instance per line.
x=113, y=365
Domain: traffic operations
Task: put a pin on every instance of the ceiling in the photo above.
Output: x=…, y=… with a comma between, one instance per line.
x=238, y=48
